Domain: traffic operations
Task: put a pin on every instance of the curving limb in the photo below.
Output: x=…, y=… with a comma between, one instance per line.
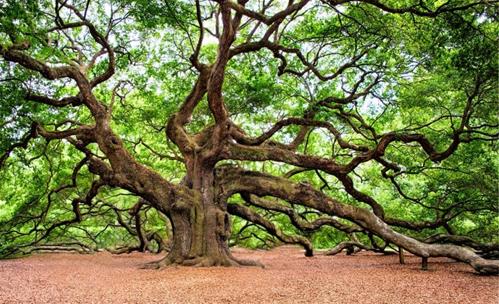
x=262, y=184
x=249, y=215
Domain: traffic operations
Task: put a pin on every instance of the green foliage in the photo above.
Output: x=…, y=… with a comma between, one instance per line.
x=425, y=68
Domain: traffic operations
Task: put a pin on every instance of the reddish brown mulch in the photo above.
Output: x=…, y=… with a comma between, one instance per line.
x=289, y=277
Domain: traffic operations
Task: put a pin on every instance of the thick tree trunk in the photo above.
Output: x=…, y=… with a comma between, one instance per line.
x=201, y=232
x=200, y=237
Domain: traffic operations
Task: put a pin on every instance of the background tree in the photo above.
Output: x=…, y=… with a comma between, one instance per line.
x=316, y=121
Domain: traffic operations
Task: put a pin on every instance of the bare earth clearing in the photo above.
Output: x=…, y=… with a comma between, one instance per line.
x=289, y=277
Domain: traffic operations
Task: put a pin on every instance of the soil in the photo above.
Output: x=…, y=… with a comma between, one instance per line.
x=289, y=277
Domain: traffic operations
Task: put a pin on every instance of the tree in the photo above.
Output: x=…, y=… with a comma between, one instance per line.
x=369, y=107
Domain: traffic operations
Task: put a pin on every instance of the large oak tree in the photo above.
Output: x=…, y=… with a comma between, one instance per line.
x=372, y=117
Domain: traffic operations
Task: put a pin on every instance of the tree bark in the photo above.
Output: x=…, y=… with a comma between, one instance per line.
x=201, y=232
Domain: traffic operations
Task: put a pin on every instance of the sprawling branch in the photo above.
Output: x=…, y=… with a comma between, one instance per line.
x=23, y=143
x=15, y=54
x=290, y=9
x=250, y=215
x=63, y=102
x=300, y=122
x=297, y=220
x=98, y=37
x=461, y=240
x=419, y=10
x=237, y=181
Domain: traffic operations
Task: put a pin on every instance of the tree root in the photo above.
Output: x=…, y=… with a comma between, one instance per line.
x=228, y=261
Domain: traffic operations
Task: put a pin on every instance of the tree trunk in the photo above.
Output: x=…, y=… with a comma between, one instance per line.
x=200, y=237
x=200, y=233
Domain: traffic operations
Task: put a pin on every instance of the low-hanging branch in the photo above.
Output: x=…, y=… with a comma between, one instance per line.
x=239, y=181
x=297, y=220
x=250, y=215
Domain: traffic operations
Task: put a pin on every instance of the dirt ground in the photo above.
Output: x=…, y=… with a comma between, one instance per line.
x=288, y=277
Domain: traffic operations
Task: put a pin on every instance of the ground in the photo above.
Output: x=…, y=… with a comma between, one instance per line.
x=288, y=277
